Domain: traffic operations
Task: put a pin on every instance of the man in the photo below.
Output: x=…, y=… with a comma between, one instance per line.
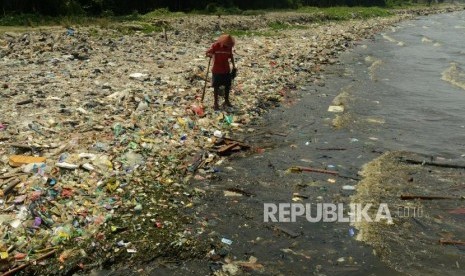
x=221, y=52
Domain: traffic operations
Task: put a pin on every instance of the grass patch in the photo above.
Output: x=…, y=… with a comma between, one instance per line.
x=107, y=20
x=346, y=13
x=279, y=26
x=253, y=12
x=27, y=20
x=242, y=33
x=160, y=13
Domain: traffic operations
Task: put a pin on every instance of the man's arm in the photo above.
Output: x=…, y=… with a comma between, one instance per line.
x=232, y=61
x=211, y=51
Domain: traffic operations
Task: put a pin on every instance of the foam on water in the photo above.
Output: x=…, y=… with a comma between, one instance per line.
x=454, y=75
x=388, y=38
x=426, y=40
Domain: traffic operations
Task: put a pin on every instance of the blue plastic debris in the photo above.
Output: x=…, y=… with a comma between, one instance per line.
x=351, y=232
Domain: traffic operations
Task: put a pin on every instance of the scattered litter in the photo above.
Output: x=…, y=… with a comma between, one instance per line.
x=287, y=231
x=351, y=232
x=336, y=108
x=226, y=241
x=348, y=188
x=19, y=160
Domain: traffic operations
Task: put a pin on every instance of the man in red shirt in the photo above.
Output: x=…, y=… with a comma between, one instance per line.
x=221, y=52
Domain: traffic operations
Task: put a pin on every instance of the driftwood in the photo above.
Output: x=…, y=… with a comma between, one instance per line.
x=21, y=267
x=31, y=147
x=240, y=143
x=332, y=149
x=197, y=162
x=451, y=242
x=426, y=197
x=287, y=231
x=308, y=169
x=282, y=134
x=28, y=101
x=429, y=163
x=240, y=191
x=10, y=187
x=11, y=175
x=228, y=146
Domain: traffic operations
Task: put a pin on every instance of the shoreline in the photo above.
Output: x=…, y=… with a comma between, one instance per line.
x=259, y=63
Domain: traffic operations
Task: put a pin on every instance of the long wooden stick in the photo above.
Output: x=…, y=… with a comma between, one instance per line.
x=11, y=175
x=206, y=80
x=307, y=169
x=425, y=197
x=333, y=149
x=21, y=267
x=451, y=242
x=435, y=164
x=10, y=187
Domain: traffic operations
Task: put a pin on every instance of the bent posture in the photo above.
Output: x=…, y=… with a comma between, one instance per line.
x=221, y=52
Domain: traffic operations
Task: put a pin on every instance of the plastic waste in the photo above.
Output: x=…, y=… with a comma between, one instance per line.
x=226, y=241
x=198, y=110
x=117, y=129
x=70, y=32
x=37, y=222
x=102, y=163
x=132, y=159
x=351, y=232
x=68, y=166
x=229, y=119
x=336, y=108
x=19, y=160
x=88, y=167
x=34, y=168
x=142, y=107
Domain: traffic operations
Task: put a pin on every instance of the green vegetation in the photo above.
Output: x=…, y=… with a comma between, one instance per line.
x=278, y=26
x=345, y=13
x=134, y=21
x=33, y=20
x=159, y=8
x=239, y=33
x=164, y=12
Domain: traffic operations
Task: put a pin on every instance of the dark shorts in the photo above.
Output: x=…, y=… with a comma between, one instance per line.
x=221, y=80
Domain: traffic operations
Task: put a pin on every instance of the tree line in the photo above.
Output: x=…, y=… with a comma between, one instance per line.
x=121, y=7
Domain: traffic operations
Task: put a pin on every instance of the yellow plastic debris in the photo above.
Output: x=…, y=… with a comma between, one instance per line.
x=19, y=160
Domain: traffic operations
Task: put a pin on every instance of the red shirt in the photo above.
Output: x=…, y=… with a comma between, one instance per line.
x=221, y=56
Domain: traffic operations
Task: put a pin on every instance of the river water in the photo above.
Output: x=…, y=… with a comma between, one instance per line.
x=415, y=85
x=407, y=93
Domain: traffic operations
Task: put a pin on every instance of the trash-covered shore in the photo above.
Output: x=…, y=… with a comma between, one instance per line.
x=102, y=130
